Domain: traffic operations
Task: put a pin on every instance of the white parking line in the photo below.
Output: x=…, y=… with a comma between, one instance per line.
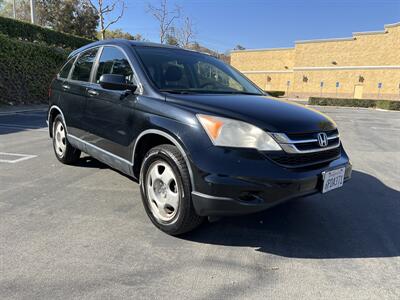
x=384, y=128
x=20, y=157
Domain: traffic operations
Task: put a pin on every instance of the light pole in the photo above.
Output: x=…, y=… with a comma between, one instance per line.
x=337, y=87
x=321, y=86
x=33, y=11
x=379, y=89
x=287, y=88
x=14, y=12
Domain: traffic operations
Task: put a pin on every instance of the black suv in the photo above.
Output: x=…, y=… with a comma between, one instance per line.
x=199, y=137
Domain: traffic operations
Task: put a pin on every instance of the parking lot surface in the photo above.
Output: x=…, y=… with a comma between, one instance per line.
x=81, y=231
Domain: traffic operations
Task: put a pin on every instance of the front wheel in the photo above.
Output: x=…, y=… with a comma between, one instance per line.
x=166, y=191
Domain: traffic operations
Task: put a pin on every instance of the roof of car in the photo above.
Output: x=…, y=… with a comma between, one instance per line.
x=121, y=42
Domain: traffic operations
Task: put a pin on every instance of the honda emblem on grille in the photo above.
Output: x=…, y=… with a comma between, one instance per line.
x=322, y=139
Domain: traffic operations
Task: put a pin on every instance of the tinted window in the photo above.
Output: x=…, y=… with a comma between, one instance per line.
x=83, y=65
x=113, y=61
x=180, y=71
x=67, y=67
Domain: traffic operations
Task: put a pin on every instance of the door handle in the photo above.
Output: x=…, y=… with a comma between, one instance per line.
x=66, y=87
x=93, y=93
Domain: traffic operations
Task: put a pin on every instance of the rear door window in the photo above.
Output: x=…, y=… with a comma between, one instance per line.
x=113, y=61
x=83, y=65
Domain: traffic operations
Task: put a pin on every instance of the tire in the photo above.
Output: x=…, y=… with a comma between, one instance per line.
x=166, y=191
x=63, y=150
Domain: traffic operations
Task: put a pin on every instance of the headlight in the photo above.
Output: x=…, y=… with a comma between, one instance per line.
x=232, y=133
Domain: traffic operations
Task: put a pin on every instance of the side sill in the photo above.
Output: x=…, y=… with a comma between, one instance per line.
x=102, y=155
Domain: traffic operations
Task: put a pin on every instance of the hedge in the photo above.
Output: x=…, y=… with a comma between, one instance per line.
x=33, y=33
x=26, y=70
x=275, y=93
x=372, y=103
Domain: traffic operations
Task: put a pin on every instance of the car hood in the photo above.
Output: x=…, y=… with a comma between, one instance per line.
x=269, y=114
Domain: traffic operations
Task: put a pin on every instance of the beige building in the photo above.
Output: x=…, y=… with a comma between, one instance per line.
x=366, y=65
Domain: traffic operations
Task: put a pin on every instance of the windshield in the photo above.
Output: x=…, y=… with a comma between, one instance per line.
x=180, y=71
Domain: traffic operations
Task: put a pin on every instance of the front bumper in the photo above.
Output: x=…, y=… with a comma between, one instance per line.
x=235, y=182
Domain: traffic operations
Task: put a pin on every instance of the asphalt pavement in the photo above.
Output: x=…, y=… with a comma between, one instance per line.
x=81, y=231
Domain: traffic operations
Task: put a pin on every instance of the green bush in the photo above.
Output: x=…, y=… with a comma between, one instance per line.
x=275, y=93
x=26, y=70
x=384, y=104
x=33, y=33
x=390, y=105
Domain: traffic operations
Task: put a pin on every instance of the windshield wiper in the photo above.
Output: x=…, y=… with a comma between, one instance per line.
x=199, y=91
x=234, y=92
x=173, y=91
x=246, y=93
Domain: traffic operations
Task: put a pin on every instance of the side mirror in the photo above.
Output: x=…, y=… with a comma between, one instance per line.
x=116, y=82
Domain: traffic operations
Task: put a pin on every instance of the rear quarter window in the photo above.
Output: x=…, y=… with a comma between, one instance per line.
x=66, y=68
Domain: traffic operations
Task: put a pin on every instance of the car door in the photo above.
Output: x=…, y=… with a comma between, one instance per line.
x=75, y=93
x=109, y=113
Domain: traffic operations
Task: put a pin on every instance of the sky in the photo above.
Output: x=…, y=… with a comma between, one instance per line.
x=223, y=24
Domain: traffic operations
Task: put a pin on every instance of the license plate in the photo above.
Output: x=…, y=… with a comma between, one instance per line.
x=333, y=179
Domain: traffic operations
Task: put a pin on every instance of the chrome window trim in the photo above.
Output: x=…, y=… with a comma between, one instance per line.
x=139, y=84
x=78, y=55
x=100, y=48
x=72, y=67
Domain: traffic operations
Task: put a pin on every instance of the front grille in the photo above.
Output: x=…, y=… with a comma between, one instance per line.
x=303, y=149
x=315, y=145
x=310, y=135
x=301, y=160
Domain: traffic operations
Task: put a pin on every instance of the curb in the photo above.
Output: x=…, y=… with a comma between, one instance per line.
x=354, y=107
x=6, y=110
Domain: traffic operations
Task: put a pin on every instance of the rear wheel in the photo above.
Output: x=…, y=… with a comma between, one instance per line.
x=63, y=150
x=166, y=191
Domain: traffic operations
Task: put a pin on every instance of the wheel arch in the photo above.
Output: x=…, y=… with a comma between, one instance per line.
x=151, y=138
x=54, y=111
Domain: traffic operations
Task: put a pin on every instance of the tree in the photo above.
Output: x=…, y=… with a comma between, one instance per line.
x=70, y=16
x=119, y=34
x=103, y=11
x=47, y=12
x=199, y=48
x=22, y=9
x=171, y=37
x=83, y=19
x=165, y=18
x=186, y=33
x=239, y=47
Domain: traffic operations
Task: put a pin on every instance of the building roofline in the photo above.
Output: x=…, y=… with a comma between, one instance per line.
x=323, y=40
x=392, y=25
x=370, y=32
x=262, y=49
